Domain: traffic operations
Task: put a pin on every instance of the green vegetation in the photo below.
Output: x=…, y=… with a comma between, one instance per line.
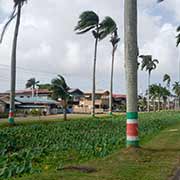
x=28, y=149
x=155, y=161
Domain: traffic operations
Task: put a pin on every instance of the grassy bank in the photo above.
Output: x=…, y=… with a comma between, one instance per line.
x=45, y=146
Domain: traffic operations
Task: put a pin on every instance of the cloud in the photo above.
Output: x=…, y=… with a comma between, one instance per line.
x=48, y=45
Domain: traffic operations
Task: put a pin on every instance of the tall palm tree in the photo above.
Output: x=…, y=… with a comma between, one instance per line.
x=16, y=13
x=131, y=66
x=167, y=79
x=114, y=41
x=32, y=83
x=60, y=89
x=176, y=89
x=89, y=20
x=148, y=64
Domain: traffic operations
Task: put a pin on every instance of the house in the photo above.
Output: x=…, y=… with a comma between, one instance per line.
x=5, y=102
x=85, y=103
x=51, y=106
x=119, y=102
x=27, y=93
x=76, y=96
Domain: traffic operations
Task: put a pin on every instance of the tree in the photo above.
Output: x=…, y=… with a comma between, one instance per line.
x=167, y=79
x=15, y=13
x=60, y=90
x=32, y=83
x=44, y=86
x=114, y=41
x=148, y=64
x=131, y=66
x=176, y=89
x=153, y=94
x=159, y=92
x=89, y=20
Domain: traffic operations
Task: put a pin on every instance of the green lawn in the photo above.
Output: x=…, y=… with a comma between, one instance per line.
x=95, y=143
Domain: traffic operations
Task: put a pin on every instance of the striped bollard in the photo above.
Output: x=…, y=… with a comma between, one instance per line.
x=132, y=129
x=11, y=117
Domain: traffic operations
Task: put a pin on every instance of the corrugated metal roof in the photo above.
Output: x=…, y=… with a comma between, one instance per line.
x=37, y=100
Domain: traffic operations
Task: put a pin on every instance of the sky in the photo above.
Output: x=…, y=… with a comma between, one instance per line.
x=48, y=45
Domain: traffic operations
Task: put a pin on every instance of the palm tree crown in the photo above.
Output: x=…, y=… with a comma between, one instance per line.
x=167, y=79
x=115, y=39
x=89, y=20
x=148, y=63
x=32, y=83
x=176, y=88
x=59, y=88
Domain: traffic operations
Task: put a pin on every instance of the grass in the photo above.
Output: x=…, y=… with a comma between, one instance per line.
x=110, y=163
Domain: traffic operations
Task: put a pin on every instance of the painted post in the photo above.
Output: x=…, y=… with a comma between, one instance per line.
x=132, y=129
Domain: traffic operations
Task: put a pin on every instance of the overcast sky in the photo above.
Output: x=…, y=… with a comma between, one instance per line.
x=47, y=44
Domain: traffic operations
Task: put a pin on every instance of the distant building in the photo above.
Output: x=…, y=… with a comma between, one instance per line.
x=27, y=93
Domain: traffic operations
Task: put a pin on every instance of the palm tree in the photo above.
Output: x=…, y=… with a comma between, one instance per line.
x=60, y=89
x=32, y=83
x=149, y=65
x=159, y=92
x=131, y=66
x=176, y=89
x=89, y=20
x=153, y=94
x=114, y=41
x=167, y=79
x=16, y=13
x=165, y=93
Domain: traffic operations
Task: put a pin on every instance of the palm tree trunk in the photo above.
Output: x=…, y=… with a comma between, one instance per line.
x=111, y=83
x=154, y=105
x=33, y=88
x=131, y=53
x=94, y=79
x=158, y=103
x=13, y=68
x=148, y=99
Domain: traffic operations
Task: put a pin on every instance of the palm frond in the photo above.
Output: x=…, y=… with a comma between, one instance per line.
x=21, y=2
x=159, y=1
x=178, y=40
x=12, y=16
x=60, y=88
x=85, y=30
x=87, y=21
x=107, y=26
x=115, y=38
x=178, y=29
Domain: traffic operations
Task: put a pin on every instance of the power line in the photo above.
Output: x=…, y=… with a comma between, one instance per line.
x=31, y=70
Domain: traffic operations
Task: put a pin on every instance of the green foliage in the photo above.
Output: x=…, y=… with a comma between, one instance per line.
x=44, y=86
x=176, y=88
x=148, y=63
x=23, y=147
x=167, y=79
x=89, y=20
x=157, y=91
x=32, y=83
x=59, y=88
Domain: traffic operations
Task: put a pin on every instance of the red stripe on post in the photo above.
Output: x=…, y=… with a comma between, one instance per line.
x=11, y=114
x=132, y=129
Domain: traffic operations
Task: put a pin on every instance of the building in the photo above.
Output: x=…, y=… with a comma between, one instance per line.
x=27, y=93
x=101, y=102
